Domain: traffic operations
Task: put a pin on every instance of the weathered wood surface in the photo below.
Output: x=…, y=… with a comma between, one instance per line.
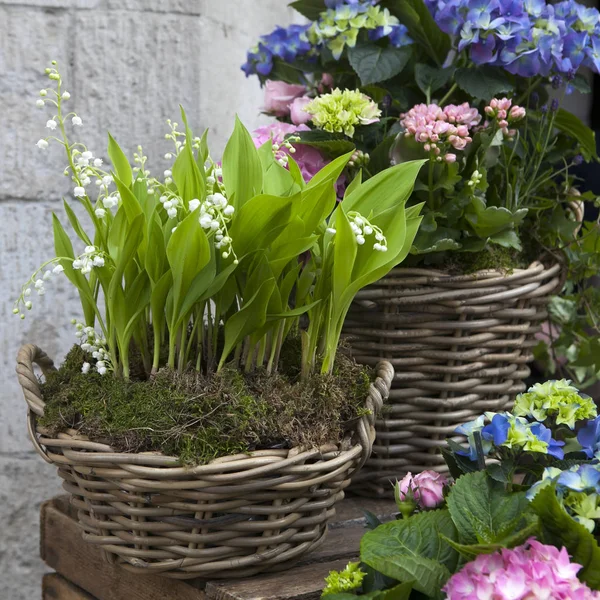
x=56, y=587
x=82, y=567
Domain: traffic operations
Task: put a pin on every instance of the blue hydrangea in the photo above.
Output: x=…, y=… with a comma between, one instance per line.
x=589, y=438
x=285, y=44
x=526, y=37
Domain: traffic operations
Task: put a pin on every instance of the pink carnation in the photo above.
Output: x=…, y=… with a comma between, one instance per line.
x=528, y=572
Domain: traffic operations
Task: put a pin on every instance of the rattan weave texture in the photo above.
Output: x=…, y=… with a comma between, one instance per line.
x=459, y=345
x=234, y=517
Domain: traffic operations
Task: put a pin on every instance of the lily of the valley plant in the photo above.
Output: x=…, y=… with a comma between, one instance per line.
x=216, y=263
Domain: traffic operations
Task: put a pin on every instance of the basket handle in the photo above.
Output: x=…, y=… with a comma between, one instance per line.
x=378, y=393
x=27, y=356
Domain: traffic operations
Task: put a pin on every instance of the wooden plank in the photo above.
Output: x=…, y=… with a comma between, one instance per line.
x=63, y=549
x=81, y=563
x=55, y=587
x=300, y=583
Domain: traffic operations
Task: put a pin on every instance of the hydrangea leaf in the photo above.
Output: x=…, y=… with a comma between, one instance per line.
x=430, y=79
x=413, y=550
x=560, y=529
x=311, y=9
x=481, y=508
x=332, y=145
x=374, y=64
x=483, y=82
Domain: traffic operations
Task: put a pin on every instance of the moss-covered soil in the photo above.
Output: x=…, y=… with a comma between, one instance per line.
x=198, y=418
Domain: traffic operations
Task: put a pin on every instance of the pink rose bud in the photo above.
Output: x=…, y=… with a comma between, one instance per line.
x=280, y=95
x=297, y=113
x=426, y=489
x=327, y=80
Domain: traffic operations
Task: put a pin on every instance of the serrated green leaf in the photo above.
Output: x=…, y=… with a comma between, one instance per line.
x=484, y=82
x=311, y=9
x=375, y=63
x=412, y=550
x=481, y=508
x=430, y=79
x=331, y=144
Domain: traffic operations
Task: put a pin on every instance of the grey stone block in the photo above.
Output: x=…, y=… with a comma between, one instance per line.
x=25, y=482
x=29, y=39
x=26, y=243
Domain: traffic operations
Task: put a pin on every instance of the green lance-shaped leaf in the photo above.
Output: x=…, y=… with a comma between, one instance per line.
x=344, y=254
x=259, y=222
x=156, y=260
x=242, y=169
x=421, y=26
x=574, y=127
x=296, y=173
x=413, y=550
x=331, y=171
x=76, y=225
x=121, y=165
x=561, y=529
x=187, y=175
x=64, y=248
x=250, y=318
x=158, y=304
x=390, y=187
x=188, y=252
x=481, y=508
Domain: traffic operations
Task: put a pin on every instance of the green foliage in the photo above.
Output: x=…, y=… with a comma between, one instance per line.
x=484, y=82
x=374, y=64
x=412, y=550
x=560, y=529
x=574, y=127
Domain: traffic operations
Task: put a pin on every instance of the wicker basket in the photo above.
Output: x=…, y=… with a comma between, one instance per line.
x=236, y=516
x=460, y=346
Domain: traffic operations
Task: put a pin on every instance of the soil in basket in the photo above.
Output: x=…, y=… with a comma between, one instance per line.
x=199, y=418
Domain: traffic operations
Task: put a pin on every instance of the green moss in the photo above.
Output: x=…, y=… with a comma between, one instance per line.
x=198, y=418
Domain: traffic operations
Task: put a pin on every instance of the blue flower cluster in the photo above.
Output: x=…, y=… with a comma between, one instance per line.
x=526, y=37
x=589, y=438
x=506, y=430
x=285, y=44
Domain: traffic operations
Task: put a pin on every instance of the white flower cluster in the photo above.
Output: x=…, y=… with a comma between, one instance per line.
x=142, y=173
x=362, y=228
x=215, y=214
x=36, y=282
x=475, y=180
x=92, y=343
x=281, y=156
x=174, y=136
x=90, y=258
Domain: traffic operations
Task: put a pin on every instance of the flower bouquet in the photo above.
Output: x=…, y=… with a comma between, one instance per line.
x=520, y=519
x=475, y=88
x=206, y=424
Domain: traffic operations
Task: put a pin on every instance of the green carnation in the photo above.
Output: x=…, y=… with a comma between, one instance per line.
x=557, y=399
x=347, y=580
x=341, y=112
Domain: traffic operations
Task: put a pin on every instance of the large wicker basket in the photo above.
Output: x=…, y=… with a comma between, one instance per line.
x=459, y=345
x=236, y=516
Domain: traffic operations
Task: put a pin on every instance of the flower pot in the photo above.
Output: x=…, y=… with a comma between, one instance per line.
x=236, y=516
x=460, y=346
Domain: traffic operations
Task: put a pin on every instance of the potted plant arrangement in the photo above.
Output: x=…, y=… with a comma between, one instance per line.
x=474, y=88
x=205, y=424
x=519, y=520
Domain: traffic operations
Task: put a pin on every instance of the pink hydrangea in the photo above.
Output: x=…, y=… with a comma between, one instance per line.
x=440, y=129
x=309, y=159
x=505, y=114
x=528, y=572
x=427, y=488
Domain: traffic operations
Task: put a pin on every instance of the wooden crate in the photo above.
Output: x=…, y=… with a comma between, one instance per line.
x=81, y=573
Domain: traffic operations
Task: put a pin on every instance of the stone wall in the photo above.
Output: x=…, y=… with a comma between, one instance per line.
x=128, y=64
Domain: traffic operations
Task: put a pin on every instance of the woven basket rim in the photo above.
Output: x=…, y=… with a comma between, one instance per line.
x=362, y=434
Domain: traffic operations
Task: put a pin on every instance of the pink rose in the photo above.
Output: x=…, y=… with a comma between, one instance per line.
x=297, y=113
x=326, y=82
x=280, y=95
x=427, y=488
